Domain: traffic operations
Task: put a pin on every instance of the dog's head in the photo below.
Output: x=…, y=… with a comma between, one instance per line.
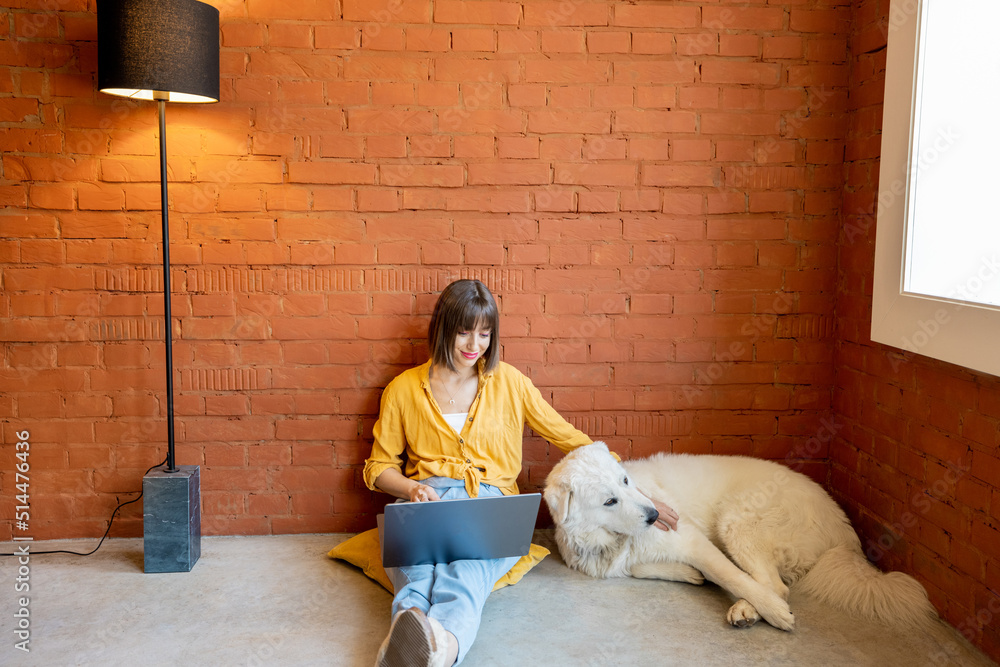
x=588, y=491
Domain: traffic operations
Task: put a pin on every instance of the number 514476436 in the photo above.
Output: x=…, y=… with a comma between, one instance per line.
x=22, y=481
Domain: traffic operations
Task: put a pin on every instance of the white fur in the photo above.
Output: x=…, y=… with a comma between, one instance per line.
x=752, y=526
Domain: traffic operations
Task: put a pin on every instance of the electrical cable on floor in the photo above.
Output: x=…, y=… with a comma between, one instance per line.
x=113, y=515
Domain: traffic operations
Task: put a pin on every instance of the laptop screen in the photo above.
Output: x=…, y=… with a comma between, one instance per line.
x=443, y=531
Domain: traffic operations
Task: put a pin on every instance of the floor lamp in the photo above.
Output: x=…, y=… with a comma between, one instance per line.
x=167, y=51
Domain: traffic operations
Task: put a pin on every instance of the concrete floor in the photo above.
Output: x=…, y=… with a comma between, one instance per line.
x=280, y=601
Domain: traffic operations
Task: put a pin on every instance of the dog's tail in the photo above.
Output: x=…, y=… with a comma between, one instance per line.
x=843, y=578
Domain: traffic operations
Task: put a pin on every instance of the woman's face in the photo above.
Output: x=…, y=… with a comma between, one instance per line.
x=470, y=346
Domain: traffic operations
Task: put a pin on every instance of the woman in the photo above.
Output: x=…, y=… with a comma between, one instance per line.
x=458, y=419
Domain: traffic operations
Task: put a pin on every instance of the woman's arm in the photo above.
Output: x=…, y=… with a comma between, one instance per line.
x=546, y=421
x=389, y=434
x=395, y=483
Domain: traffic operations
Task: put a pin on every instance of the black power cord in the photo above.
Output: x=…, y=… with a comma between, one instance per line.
x=110, y=522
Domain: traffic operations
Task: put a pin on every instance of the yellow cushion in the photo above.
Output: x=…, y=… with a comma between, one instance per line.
x=363, y=551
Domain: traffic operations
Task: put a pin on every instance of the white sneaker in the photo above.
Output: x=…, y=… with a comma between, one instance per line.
x=413, y=641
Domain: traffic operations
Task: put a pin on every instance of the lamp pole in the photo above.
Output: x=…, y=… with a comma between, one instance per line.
x=161, y=104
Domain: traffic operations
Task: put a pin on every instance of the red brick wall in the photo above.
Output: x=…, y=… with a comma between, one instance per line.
x=915, y=461
x=652, y=190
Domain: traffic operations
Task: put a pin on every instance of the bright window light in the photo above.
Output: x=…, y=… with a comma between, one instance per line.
x=953, y=228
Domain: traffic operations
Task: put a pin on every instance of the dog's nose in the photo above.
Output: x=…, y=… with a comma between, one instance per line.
x=651, y=516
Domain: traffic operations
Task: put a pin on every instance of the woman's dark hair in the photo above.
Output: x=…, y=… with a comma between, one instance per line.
x=464, y=305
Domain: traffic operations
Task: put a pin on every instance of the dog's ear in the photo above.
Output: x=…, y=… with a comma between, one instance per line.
x=600, y=444
x=558, y=498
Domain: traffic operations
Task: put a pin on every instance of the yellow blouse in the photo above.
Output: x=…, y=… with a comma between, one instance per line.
x=488, y=450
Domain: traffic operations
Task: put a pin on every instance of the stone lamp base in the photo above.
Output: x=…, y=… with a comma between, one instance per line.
x=171, y=519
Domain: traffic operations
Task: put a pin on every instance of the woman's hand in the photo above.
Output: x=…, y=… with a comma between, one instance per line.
x=667, y=520
x=668, y=517
x=420, y=493
x=393, y=482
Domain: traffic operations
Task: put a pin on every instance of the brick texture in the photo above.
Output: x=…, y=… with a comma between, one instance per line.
x=632, y=182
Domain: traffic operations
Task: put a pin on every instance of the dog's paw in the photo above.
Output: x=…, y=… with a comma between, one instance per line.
x=668, y=572
x=742, y=614
x=778, y=614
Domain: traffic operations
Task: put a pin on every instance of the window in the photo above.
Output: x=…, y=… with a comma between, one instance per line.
x=937, y=249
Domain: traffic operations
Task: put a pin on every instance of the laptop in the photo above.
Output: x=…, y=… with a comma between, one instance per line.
x=442, y=531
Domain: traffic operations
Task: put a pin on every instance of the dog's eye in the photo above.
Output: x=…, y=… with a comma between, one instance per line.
x=610, y=502
x=626, y=481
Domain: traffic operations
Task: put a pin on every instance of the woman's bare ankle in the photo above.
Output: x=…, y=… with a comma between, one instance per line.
x=452, y=654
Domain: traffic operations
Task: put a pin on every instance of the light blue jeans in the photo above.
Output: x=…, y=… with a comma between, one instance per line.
x=453, y=593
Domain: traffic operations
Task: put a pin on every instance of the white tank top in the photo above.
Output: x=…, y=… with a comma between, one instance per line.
x=456, y=420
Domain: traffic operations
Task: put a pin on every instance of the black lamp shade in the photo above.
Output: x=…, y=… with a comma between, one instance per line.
x=158, y=49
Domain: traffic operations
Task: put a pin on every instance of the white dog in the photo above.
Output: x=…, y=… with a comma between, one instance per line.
x=752, y=526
